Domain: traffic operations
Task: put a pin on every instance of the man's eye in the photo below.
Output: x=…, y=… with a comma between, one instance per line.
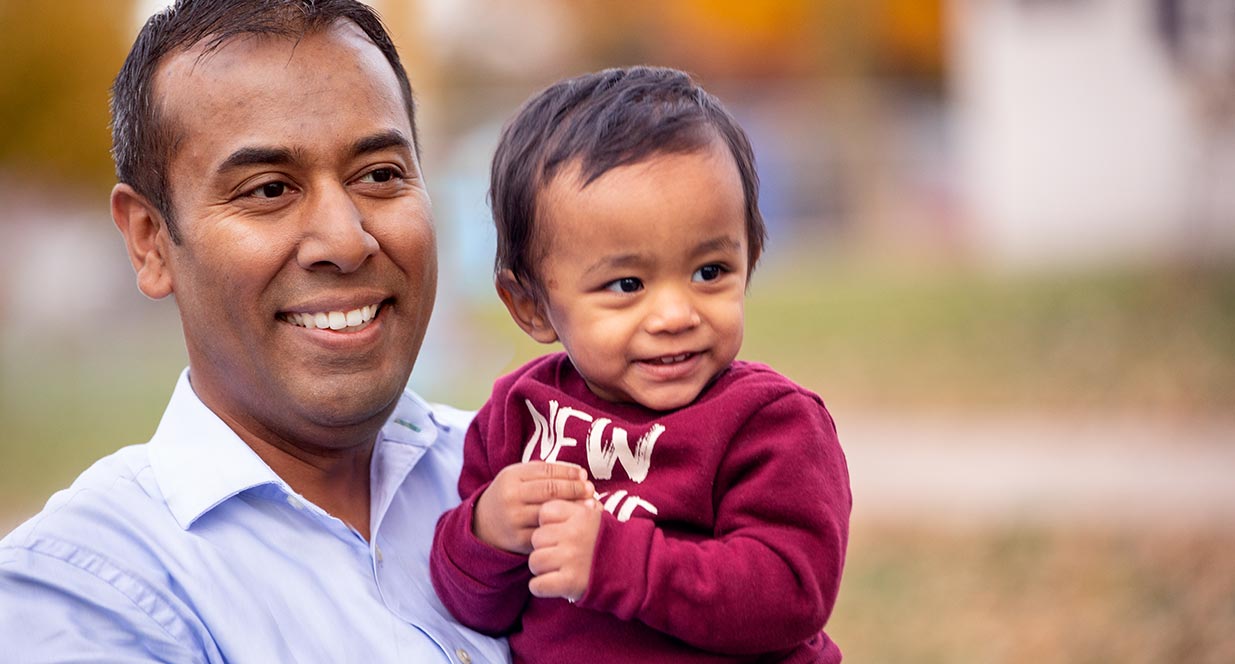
x=708, y=273
x=271, y=190
x=379, y=175
x=624, y=285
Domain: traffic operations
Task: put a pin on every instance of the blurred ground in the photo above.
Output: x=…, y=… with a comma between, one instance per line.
x=1042, y=471
x=1014, y=593
x=1040, y=465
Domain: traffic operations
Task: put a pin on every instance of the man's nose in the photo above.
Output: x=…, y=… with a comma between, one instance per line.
x=335, y=236
x=673, y=310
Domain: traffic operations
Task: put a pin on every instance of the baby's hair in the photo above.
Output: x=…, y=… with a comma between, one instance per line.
x=601, y=121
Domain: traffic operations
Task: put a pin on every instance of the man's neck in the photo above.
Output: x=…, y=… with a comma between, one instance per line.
x=337, y=484
x=336, y=479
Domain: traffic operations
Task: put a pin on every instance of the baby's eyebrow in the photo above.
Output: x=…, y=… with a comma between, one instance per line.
x=719, y=243
x=617, y=261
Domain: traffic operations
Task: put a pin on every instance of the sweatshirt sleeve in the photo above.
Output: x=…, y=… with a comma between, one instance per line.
x=482, y=586
x=769, y=578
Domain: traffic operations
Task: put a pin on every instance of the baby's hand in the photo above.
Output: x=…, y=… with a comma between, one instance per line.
x=563, y=545
x=508, y=511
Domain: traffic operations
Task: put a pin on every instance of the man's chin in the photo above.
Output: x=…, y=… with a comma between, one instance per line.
x=345, y=404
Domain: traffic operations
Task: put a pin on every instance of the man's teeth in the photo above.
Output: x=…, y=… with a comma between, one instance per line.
x=334, y=320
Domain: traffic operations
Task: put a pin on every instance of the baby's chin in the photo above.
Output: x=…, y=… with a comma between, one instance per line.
x=664, y=399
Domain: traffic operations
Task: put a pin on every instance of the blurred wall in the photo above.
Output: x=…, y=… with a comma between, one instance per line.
x=1078, y=141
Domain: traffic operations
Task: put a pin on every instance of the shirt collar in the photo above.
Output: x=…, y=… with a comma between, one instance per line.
x=411, y=430
x=199, y=462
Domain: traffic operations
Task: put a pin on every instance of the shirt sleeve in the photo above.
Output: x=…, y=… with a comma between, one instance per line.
x=769, y=578
x=482, y=586
x=60, y=603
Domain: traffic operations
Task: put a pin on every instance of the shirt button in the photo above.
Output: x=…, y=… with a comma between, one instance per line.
x=378, y=550
x=291, y=500
x=464, y=656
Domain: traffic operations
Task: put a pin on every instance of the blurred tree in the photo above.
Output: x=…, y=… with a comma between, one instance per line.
x=57, y=61
x=901, y=39
x=910, y=38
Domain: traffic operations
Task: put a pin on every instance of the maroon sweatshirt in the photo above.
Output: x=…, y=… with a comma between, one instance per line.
x=724, y=534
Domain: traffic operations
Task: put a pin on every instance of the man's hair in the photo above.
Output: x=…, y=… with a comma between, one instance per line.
x=604, y=120
x=144, y=142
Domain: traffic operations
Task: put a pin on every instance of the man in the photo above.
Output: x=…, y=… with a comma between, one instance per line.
x=283, y=510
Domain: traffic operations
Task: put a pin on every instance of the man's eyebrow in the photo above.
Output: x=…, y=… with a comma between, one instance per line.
x=254, y=156
x=381, y=141
x=280, y=156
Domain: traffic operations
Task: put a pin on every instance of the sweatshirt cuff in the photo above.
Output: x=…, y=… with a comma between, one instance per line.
x=483, y=564
x=618, y=581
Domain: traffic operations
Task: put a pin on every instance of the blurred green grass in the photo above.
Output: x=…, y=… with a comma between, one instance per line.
x=66, y=403
x=1159, y=343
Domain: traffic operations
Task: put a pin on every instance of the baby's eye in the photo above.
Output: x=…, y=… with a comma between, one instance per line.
x=708, y=273
x=270, y=190
x=624, y=285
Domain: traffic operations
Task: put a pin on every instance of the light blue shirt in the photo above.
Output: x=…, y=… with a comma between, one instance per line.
x=190, y=549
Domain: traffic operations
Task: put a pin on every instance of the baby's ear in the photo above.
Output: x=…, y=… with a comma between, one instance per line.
x=524, y=307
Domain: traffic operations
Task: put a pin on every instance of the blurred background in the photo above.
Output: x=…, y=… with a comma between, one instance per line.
x=1002, y=249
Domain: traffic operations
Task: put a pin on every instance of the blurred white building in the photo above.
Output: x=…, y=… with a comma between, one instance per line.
x=1079, y=140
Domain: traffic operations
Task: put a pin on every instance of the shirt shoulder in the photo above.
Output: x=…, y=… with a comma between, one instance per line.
x=115, y=494
x=753, y=384
x=90, y=558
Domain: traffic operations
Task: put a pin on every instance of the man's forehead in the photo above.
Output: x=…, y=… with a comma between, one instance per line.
x=266, y=90
x=221, y=56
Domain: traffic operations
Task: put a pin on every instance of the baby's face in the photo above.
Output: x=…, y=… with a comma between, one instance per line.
x=645, y=273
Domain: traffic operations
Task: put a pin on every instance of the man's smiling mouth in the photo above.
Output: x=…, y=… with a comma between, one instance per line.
x=333, y=320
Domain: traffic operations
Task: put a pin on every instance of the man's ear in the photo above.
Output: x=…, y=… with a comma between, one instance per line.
x=146, y=238
x=524, y=307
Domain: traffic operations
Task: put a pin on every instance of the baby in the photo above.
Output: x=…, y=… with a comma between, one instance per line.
x=644, y=496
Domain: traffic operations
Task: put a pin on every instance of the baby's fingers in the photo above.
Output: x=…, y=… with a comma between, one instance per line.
x=554, y=584
x=543, y=482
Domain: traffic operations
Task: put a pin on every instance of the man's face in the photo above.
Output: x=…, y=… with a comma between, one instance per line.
x=307, y=270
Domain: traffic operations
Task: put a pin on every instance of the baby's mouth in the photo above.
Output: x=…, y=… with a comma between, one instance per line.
x=669, y=359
